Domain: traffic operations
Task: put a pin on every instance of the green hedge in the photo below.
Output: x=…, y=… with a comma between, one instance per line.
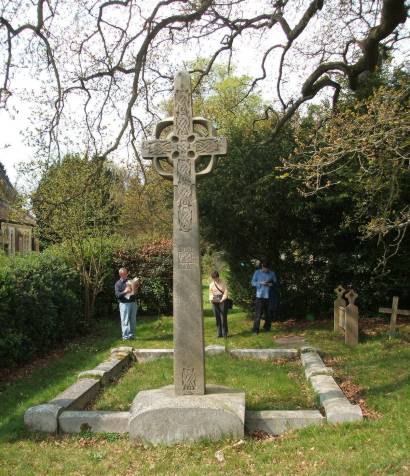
x=41, y=298
x=153, y=263
x=40, y=306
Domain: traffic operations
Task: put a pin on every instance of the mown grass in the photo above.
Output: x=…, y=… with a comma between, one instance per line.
x=268, y=385
x=378, y=366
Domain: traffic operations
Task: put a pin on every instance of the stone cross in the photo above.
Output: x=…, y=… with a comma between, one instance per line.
x=181, y=148
x=394, y=312
x=351, y=319
x=339, y=301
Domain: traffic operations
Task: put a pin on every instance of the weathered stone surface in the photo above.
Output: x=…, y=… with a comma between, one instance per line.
x=214, y=349
x=94, y=374
x=314, y=365
x=326, y=387
x=182, y=148
x=123, y=349
x=43, y=417
x=277, y=422
x=146, y=355
x=309, y=348
x=107, y=370
x=265, y=354
x=95, y=421
x=78, y=395
x=113, y=368
x=160, y=416
x=337, y=407
x=342, y=411
x=291, y=341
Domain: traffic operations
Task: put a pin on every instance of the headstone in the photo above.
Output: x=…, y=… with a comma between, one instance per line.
x=181, y=148
x=394, y=312
x=351, y=320
x=339, y=301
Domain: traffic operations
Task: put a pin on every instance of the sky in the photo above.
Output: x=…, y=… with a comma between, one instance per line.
x=15, y=122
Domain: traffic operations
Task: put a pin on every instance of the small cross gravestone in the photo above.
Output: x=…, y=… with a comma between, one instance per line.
x=351, y=320
x=394, y=311
x=339, y=301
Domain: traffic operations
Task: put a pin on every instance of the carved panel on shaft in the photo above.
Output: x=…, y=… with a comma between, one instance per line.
x=183, y=112
x=188, y=380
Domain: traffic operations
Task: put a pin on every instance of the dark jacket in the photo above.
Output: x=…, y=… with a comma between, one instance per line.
x=120, y=292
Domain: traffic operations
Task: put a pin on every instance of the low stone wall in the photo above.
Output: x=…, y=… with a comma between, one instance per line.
x=63, y=413
x=46, y=417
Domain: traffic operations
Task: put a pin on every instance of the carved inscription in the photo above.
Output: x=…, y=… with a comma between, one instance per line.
x=185, y=257
x=188, y=380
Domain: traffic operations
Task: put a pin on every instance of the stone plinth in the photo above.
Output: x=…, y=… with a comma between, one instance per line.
x=161, y=417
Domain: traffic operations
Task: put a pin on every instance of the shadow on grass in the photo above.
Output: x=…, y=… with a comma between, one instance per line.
x=54, y=376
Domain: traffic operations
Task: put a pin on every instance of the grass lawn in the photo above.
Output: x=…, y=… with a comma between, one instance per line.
x=376, y=372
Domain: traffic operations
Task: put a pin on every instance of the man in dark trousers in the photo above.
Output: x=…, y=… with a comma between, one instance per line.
x=127, y=303
x=263, y=280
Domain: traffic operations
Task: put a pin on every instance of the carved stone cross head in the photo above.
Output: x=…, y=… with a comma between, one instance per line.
x=183, y=143
x=340, y=290
x=351, y=296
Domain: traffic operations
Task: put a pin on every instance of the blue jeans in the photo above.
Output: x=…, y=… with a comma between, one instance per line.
x=128, y=313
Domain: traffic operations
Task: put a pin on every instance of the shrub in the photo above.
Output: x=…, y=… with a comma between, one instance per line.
x=153, y=263
x=40, y=306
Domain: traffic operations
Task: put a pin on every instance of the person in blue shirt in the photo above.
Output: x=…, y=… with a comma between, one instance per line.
x=264, y=280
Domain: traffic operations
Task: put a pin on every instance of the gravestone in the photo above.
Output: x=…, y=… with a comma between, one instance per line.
x=394, y=312
x=351, y=320
x=189, y=410
x=338, y=302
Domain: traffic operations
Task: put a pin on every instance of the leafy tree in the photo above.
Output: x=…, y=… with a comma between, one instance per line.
x=251, y=209
x=146, y=207
x=75, y=205
x=365, y=151
x=108, y=59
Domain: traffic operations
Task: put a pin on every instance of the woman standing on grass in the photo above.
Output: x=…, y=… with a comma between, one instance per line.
x=218, y=294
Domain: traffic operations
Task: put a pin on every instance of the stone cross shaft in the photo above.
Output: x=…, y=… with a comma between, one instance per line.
x=181, y=148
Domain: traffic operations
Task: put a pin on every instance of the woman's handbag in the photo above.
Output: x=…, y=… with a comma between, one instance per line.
x=229, y=302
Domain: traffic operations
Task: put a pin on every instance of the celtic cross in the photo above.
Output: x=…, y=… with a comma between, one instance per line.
x=182, y=148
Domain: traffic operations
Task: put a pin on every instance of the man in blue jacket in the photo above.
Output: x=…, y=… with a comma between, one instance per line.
x=264, y=280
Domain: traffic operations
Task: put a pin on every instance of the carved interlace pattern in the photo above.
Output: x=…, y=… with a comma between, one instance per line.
x=188, y=380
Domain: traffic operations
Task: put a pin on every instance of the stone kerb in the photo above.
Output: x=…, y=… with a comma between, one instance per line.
x=64, y=412
x=337, y=407
x=95, y=421
x=45, y=417
x=265, y=354
x=276, y=422
x=314, y=365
